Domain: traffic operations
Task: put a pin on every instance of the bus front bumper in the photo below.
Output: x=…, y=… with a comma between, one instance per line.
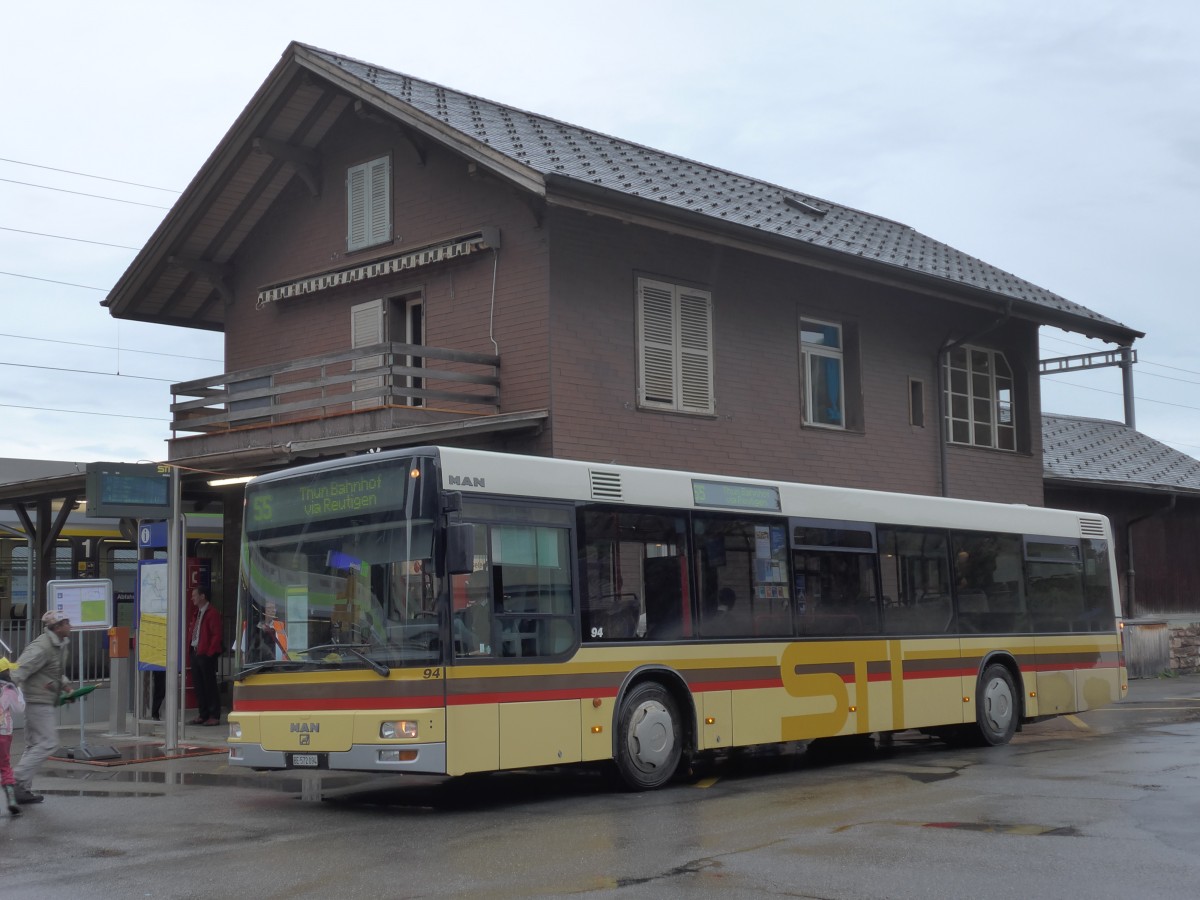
x=425, y=759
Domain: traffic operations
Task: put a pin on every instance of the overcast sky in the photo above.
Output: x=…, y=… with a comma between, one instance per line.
x=1058, y=141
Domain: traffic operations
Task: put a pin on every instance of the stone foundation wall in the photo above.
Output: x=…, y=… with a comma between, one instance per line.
x=1185, y=648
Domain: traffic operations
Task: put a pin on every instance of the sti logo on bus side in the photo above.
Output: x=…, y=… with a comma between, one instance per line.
x=466, y=481
x=305, y=727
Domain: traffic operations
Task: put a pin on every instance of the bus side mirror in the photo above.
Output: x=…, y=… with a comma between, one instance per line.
x=460, y=549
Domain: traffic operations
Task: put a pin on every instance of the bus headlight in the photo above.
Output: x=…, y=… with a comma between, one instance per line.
x=235, y=731
x=405, y=728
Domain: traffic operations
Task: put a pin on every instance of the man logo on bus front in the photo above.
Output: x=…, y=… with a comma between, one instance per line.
x=467, y=481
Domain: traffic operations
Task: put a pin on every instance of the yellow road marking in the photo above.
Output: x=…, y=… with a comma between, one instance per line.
x=1078, y=723
x=706, y=782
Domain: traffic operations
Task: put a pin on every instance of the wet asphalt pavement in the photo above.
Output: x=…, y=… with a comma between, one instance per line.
x=1104, y=804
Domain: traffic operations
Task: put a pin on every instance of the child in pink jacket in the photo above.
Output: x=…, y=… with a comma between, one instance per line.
x=11, y=700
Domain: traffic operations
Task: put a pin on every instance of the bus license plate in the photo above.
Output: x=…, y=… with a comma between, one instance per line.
x=306, y=760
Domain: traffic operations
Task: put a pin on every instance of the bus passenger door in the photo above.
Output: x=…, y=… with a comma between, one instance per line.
x=472, y=712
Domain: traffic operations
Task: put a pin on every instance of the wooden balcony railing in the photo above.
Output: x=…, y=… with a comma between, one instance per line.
x=385, y=375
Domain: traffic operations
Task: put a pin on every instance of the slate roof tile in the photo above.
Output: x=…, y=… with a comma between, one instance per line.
x=550, y=147
x=1104, y=452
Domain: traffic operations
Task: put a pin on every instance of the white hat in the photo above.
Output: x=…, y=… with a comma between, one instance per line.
x=53, y=617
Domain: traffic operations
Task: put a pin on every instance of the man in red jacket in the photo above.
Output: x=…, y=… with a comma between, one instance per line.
x=204, y=640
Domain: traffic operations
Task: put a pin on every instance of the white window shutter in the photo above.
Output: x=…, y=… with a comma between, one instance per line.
x=367, y=327
x=379, y=178
x=656, y=343
x=356, y=208
x=695, y=351
x=369, y=204
x=674, y=347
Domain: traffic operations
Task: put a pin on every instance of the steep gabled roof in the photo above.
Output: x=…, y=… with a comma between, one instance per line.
x=556, y=162
x=1099, y=453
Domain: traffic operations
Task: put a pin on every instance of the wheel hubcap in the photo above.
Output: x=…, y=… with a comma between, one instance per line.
x=997, y=705
x=651, y=735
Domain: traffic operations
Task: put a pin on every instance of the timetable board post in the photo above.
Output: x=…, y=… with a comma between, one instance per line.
x=87, y=603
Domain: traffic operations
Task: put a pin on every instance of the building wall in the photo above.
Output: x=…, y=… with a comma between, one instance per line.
x=437, y=200
x=757, y=429
x=557, y=305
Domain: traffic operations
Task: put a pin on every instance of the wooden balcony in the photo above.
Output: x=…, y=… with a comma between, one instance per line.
x=432, y=383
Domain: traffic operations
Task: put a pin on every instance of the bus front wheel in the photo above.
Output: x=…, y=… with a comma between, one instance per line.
x=648, y=744
x=995, y=706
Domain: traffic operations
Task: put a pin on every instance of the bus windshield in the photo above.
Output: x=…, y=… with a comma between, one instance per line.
x=337, y=569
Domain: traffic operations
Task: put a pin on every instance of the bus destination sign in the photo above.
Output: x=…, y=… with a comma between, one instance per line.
x=331, y=495
x=730, y=495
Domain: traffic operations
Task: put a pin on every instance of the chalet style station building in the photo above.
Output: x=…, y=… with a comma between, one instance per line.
x=396, y=263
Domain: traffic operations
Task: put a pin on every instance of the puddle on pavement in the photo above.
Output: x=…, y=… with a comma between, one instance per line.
x=123, y=776
x=1001, y=828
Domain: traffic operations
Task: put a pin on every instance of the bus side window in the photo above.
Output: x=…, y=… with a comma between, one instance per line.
x=631, y=565
x=742, y=576
x=916, y=572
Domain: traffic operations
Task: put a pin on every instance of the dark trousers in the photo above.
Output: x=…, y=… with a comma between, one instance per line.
x=204, y=683
x=158, y=692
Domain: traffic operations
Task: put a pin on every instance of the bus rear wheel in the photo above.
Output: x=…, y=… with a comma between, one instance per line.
x=995, y=706
x=648, y=743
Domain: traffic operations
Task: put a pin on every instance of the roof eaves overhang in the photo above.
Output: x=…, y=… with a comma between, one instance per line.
x=1124, y=487
x=275, y=456
x=571, y=192
x=57, y=487
x=429, y=433
x=197, y=196
x=500, y=164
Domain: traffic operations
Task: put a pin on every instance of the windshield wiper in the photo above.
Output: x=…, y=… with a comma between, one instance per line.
x=270, y=664
x=378, y=667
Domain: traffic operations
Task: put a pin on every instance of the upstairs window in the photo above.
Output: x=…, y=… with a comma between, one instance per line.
x=675, y=369
x=369, y=204
x=979, y=399
x=824, y=383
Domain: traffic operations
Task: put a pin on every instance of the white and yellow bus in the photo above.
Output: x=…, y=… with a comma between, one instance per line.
x=448, y=611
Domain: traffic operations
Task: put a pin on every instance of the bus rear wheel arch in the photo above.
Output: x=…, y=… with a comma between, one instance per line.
x=650, y=737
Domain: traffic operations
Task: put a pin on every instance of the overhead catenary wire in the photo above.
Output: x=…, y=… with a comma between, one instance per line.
x=86, y=372
x=46, y=187
x=26, y=337
x=83, y=412
x=149, y=187
x=63, y=237
x=87, y=287
x=1119, y=394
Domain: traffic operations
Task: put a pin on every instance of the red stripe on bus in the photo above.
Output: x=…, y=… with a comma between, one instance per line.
x=938, y=673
